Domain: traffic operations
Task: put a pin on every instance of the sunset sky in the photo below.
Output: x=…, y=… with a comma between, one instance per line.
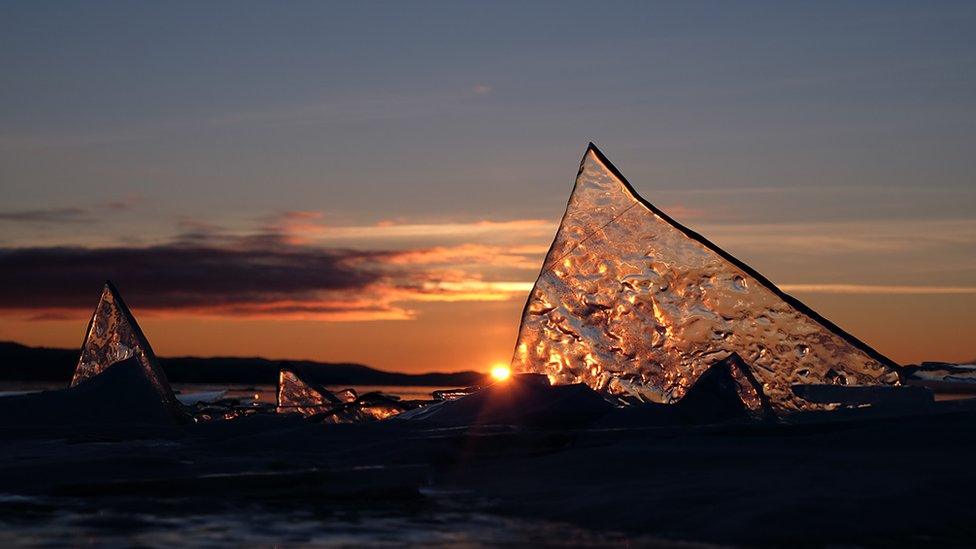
x=379, y=182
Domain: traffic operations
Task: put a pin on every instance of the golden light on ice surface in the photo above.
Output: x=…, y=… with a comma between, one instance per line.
x=500, y=372
x=633, y=303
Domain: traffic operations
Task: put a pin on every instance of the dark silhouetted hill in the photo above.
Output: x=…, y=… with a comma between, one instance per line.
x=22, y=363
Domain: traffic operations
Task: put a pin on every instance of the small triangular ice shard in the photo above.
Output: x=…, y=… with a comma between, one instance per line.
x=629, y=300
x=724, y=391
x=114, y=336
x=295, y=395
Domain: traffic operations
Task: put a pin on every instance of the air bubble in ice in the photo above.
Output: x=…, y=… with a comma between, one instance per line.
x=739, y=283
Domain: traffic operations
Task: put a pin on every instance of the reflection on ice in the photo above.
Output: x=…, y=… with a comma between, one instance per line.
x=201, y=397
x=453, y=394
x=526, y=399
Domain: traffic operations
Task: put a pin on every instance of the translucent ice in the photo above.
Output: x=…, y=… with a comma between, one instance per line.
x=114, y=336
x=631, y=302
x=295, y=395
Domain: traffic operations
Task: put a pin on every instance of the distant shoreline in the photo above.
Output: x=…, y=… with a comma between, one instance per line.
x=24, y=363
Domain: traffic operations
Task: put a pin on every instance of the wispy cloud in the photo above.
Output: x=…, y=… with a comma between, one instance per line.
x=67, y=215
x=334, y=109
x=126, y=202
x=527, y=257
x=842, y=237
x=472, y=290
x=875, y=236
x=47, y=215
x=311, y=226
x=876, y=289
x=678, y=211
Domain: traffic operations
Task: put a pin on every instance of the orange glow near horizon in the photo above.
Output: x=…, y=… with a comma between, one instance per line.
x=500, y=372
x=459, y=336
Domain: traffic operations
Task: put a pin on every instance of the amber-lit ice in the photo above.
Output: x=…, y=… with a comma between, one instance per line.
x=631, y=302
x=297, y=396
x=113, y=336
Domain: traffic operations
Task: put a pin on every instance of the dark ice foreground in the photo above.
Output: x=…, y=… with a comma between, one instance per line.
x=567, y=468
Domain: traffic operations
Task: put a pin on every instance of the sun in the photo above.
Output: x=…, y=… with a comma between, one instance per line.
x=500, y=372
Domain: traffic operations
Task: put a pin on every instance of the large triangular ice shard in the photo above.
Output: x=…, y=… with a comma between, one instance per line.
x=113, y=336
x=628, y=300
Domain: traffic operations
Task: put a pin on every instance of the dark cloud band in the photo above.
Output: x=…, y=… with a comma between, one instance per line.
x=175, y=276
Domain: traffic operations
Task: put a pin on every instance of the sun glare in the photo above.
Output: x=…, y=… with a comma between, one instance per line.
x=500, y=372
